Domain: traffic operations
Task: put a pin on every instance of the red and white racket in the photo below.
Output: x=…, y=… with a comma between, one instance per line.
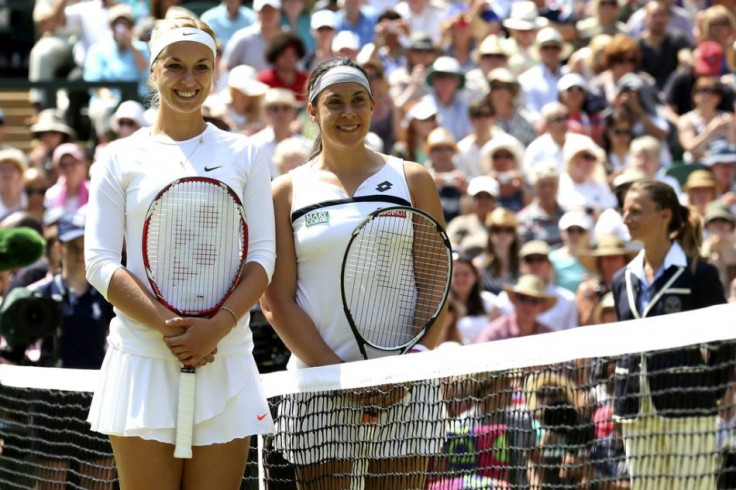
x=195, y=242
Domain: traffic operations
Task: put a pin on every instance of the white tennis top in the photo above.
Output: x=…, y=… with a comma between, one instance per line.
x=128, y=176
x=323, y=217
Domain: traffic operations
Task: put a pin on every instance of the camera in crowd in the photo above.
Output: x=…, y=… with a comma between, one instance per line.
x=25, y=318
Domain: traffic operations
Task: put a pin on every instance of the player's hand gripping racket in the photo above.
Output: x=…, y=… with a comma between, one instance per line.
x=395, y=280
x=195, y=241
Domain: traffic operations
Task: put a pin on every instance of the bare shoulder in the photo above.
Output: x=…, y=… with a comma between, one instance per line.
x=281, y=186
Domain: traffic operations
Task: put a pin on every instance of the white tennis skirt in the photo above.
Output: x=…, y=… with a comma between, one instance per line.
x=315, y=427
x=137, y=396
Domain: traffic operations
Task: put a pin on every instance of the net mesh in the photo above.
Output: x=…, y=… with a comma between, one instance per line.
x=645, y=404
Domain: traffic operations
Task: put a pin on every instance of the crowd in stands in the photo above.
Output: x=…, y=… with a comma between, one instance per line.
x=534, y=117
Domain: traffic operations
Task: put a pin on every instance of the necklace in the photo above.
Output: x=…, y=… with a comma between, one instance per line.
x=199, y=142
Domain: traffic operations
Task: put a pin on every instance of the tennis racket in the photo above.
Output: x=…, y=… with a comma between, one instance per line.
x=395, y=280
x=195, y=241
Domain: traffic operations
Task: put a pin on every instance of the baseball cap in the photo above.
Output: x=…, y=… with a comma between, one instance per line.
x=576, y=218
x=483, y=183
x=570, y=80
x=71, y=225
x=421, y=41
x=707, y=59
x=243, y=79
x=346, y=40
x=323, y=18
x=534, y=247
x=67, y=149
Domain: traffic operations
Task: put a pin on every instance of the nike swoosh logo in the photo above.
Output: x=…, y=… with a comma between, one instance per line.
x=210, y=169
x=188, y=33
x=261, y=417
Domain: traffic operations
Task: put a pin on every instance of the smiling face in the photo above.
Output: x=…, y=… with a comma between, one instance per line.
x=183, y=74
x=343, y=113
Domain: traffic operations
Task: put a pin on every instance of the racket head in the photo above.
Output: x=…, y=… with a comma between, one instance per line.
x=395, y=277
x=195, y=242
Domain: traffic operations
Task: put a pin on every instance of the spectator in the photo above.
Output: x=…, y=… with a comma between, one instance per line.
x=700, y=188
x=346, y=44
x=678, y=93
x=534, y=257
x=419, y=121
x=357, y=18
x=718, y=24
x=240, y=106
x=117, y=58
x=583, y=183
x=548, y=147
x=540, y=219
x=679, y=20
x=539, y=83
x=227, y=18
x=324, y=25
x=583, y=115
x=620, y=57
x=467, y=232
x=71, y=190
x=391, y=29
x=482, y=117
x=489, y=56
x=501, y=158
x=610, y=221
x=523, y=23
x=603, y=18
x=446, y=78
x=127, y=119
x=705, y=123
x=280, y=108
x=617, y=139
x=720, y=158
x=511, y=116
x=530, y=299
x=385, y=122
x=295, y=17
x=35, y=185
x=601, y=263
x=458, y=40
x=718, y=245
x=407, y=82
x=13, y=164
x=451, y=183
x=422, y=16
x=575, y=229
x=283, y=53
x=289, y=154
x=475, y=306
x=645, y=156
x=498, y=264
x=660, y=48
x=247, y=46
x=589, y=61
x=50, y=131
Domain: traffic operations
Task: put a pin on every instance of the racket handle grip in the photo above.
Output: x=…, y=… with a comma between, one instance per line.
x=185, y=413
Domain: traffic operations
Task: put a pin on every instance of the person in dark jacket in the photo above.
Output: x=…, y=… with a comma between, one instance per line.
x=667, y=401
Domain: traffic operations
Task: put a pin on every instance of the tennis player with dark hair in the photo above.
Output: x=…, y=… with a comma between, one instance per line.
x=136, y=399
x=317, y=206
x=667, y=401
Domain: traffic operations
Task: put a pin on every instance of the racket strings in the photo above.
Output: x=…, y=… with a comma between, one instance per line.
x=395, y=272
x=195, y=244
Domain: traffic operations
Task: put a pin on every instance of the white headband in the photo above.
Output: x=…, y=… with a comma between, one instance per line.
x=338, y=74
x=182, y=34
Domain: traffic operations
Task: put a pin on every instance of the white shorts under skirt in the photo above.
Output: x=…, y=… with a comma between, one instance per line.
x=137, y=396
x=315, y=427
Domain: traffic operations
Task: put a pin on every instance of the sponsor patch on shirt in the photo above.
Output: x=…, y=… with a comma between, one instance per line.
x=317, y=217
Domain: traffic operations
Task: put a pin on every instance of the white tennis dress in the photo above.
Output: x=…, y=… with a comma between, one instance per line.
x=314, y=428
x=138, y=389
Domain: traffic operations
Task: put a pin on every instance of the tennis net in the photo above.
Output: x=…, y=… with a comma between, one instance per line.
x=645, y=405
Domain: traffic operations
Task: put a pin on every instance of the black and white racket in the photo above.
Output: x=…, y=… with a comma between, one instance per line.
x=195, y=242
x=395, y=280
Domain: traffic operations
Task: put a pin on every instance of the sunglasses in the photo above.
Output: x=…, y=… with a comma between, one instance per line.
x=551, y=47
x=33, y=190
x=127, y=122
x=557, y=119
x=575, y=89
x=621, y=132
x=442, y=149
x=279, y=108
x=502, y=155
x=481, y=115
x=501, y=86
x=576, y=230
x=608, y=4
x=708, y=90
x=493, y=56
x=502, y=229
x=534, y=259
x=588, y=157
x=621, y=61
x=530, y=300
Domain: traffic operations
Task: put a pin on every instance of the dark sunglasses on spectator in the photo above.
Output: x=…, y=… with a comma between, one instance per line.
x=502, y=229
x=719, y=23
x=575, y=88
x=530, y=300
x=588, y=157
x=575, y=230
x=35, y=190
x=556, y=119
x=127, y=122
x=481, y=115
x=534, y=259
x=442, y=149
x=608, y=3
x=708, y=90
x=621, y=132
x=493, y=56
x=279, y=108
x=501, y=86
x=503, y=155
x=623, y=59
x=551, y=47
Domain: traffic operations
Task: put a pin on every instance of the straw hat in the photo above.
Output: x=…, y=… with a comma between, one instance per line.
x=16, y=157
x=550, y=35
x=606, y=303
x=540, y=379
x=699, y=179
x=491, y=44
x=531, y=285
x=500, y=142
x=51, y=120
x=534, y=247
x=574, y=146
x=440, y=137
x=280, y=96
x=524, y=16
x=608, y=246
x=501, y=217
x=502, y=75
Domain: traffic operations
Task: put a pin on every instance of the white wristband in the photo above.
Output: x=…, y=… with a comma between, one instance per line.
x=418, y=348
